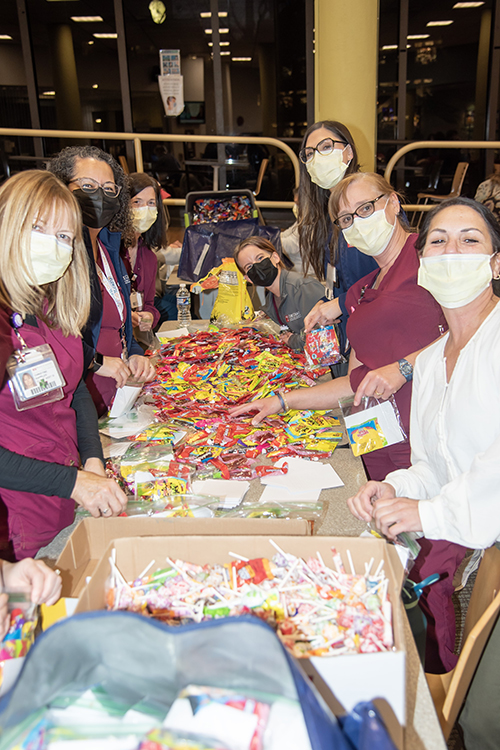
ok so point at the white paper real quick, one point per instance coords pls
(282, 495)
(304, 476)
(229, 725)
(386, 417)
(125, 398)
(175, 334)
(231, 490)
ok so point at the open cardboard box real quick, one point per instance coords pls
(90, 539)
(343, 680)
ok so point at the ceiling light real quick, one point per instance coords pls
(87, 19)
(390, 46)
(5, 36)
(113, 35)
(207, 14)
(468, 4)
(225, 53)
(412, 36)
(241, 59)
(49, 93)
(95, 85)
(221, 31)
(91, 42)
(439, 23)
(98, 119)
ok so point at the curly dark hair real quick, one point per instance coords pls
(156, 236)
(63, 166)
(314, 225)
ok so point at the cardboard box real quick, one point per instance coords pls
(90, 539)
(343, 679)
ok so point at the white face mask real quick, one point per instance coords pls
(326, 170)
(49, 257)
(455, 280)
(372, 235)
(144, 217)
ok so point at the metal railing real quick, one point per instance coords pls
(139, 138)
(470, 145)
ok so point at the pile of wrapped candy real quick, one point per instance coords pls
(199, 377)
(21, 633)
(212, 210)
(316, 610)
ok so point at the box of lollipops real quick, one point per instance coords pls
(333, 601)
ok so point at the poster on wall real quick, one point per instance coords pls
(170, 62)
(172, 94)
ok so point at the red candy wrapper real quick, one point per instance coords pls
(322, 348)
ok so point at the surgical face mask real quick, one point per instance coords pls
(326, 170)
(144, 217)
(454, 280)
(49, 257)
(372, 235)
(98, 209)
(263, 273)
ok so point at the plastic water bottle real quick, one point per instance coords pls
(183, 305)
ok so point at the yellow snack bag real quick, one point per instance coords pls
(233, 302)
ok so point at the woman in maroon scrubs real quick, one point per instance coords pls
(48, 432)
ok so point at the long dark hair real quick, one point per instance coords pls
(156, 236)
(314, 225)
(63, 166)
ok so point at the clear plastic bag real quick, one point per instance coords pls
(372, 425)
(322, 347)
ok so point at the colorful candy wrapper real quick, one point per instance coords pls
(372, 425)
(322, 347)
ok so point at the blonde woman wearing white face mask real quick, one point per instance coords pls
(451, 489)
(150, 226)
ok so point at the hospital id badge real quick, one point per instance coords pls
(34, 377)
(136, 301)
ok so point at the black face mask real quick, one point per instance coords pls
(98, 209)
(262, 273)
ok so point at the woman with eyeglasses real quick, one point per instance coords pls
(150, 234)
(328, 155)
(49, 424)
(391, 319)
(99, 185)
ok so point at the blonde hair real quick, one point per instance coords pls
(64, 303)
(383, 187)
(259, 242)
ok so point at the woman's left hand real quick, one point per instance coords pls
(381, 383)
(392, 516)
(141, 368)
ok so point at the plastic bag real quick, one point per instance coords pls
(233, 302)
(372, 425)
(322, 347)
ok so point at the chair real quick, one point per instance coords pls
(456, 188)
(124, 164)
(449, 690)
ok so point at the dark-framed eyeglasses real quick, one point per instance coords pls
(364, 211)
(89, 185)
(324, 147)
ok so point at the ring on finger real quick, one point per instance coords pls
(104, 512)
(378, 393)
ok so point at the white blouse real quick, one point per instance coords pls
(455, 441)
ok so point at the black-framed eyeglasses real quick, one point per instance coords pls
(364, 211)
(89, 185)
(324, 147)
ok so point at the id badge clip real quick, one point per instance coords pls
(34, 377)
(136, 301)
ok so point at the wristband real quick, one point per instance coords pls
(97, 362)
(406, 369)
(282, 402)
(282, 398)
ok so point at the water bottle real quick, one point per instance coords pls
(183, 305)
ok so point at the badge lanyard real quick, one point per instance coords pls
(110, 285)
(34, 375)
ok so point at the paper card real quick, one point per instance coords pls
(386, 417)
(224, 723)
(282, 495)
(127, 425)
(231, 490)
(304, 476)
(124, 400)
(175, 334)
